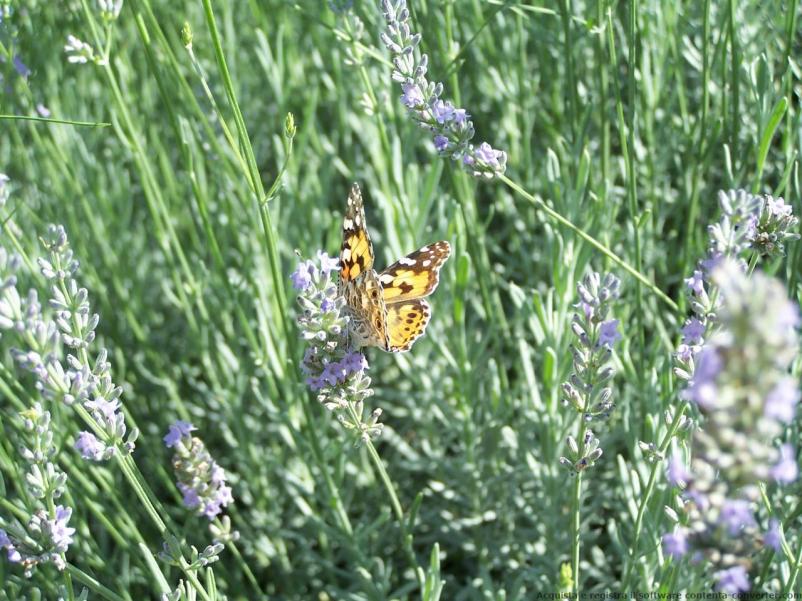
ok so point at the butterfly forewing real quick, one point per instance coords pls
(356, 255)
(416, 275)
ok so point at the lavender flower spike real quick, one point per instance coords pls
(333, 370)
(450, 126)
(201, 480)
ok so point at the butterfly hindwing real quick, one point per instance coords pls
(356, 256)
(406, 322)
(415, 275)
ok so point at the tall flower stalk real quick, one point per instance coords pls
(750, 226)
(587, 392)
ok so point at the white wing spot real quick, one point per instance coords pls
(348, 224)
(426, 263)
(346, 254)
(386, 278)
(424, 249)
(358, 221)
(407, 261)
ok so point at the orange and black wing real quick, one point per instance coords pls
(356, 255)
(416, 275)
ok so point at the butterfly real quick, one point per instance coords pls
(386, 309)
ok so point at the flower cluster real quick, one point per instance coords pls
(746, 397)
(79, 52)
(333, 370)
(200, 479)
(85, 381)
(45, 537)
(774, 226)
(451, 127)
(748, 223)
(588, 391)
(109, 9)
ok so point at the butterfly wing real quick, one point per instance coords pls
(406, 322)
(415, 275)
(356, 255)
(359, 283)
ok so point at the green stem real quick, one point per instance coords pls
(91, 583)
(53, 120)
(592, 241)
(575, 531)
(399, 513)
(647, 494)
(253, 175)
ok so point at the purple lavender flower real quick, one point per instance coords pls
(587, 389)
(422, 98)
(42, 110)
(702, 389)
(782, 400)
(333, 370)
(61, 534)
(443, 112)
(12, 554)
(354, 361)
(736, 515)
(696, 283)
(90, 447)
(106, 408)
(693, 331)
(302, 276)
(201, 480)
(461, 116)
(785, 470)
(608, 333)
(676, 471)
(488, 155)
(327, 263)
(20, 67)
(686, 352)
(675, 544)
(327, 305)
(178, 430)
(778, 207)
(732, 581)
(773, 537)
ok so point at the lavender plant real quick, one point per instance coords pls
(746, 397)
(332, 369)
(733, 238)
(201, 480)
(46, 536)
(587, 390)
(451, 127)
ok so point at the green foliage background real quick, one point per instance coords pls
(630, 142)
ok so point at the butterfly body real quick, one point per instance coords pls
(386, 309)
